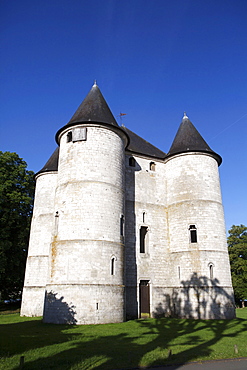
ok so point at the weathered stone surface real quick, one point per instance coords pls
(84, 267)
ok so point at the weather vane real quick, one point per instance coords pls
(121, 117)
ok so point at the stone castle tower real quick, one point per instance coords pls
(123, 230)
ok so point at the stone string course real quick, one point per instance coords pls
(75, 235)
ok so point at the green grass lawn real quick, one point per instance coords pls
(118, 346)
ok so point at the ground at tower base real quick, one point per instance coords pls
(133, 344)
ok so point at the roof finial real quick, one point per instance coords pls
(95, 83)
(185, 116)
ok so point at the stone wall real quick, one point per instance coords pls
(42, 227)
(182, 192)
(87, 251)
(86, 259)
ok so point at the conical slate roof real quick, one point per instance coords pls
(94, 108)
(188, 139)
(52, 163)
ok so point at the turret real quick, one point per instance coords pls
(200, 273)
(175, 245)
(40, 239)
(85, 283)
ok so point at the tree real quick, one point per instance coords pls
(237, 247)
(16, 203)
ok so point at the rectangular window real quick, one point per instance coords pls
(193, 234)
(113, 266)
(143, 236)
(69, 136)
(132, 162)
(122, 225)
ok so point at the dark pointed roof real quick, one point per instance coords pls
(140, 146)
(52, 163)
(94, 108)
(188, 139)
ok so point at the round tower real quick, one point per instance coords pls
(86, 283)
(200, 272)
(36, 274)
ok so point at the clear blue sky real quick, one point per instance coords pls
(152, 59)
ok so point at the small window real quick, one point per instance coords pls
(132, 162)
(152, 166)
(143, 217)
(113, 259)
(193, 234)
(69, 136)
(56, 222)
(143, 237)
(179, 272)
(122, 225)
(211, 270)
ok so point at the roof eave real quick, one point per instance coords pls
(88, 123)
(216, 156)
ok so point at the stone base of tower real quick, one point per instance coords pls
(84, 304)
(32, 301)
(204, 302)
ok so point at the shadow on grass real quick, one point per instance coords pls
(152, 338)
(132, 344)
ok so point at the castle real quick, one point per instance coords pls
(122, 230)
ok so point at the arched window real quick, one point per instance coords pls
(193, 234)
(122, 225)
(211, 270)
(143, 239)
(152, 166)
(113, 265)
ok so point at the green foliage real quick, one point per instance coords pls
(237, 247)
(132, 344)
(16, 203)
